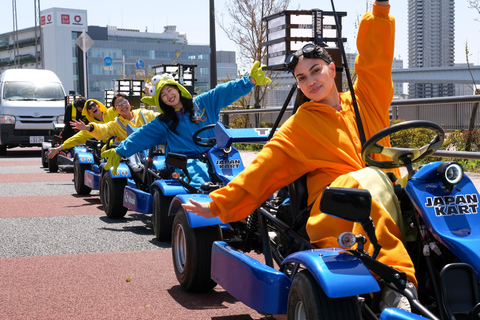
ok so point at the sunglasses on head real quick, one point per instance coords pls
(91, 105)
(122, 103)
(308, 51)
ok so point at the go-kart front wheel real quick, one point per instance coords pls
(161, 221)
(79, 176)
(192, 253)
(44, 158)
(111, 195)
(306, 300)
(53, 164)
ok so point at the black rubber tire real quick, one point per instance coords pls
(79, 177)
(192, 253)
(53, 164)
(111, 195)
(161, 221)
(3, 150)
(306, 300)
(44, 158)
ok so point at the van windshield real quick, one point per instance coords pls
(26, 90)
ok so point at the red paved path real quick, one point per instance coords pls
(94, 286)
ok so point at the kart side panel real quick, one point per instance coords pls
(399, 314)
(452, 218)
(333, 269)
(255, 284)
(92, 180)
(137, 200)
(84, 157)
(194, 220)
(169, 187)
(123, 171)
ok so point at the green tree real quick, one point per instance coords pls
(248, 32)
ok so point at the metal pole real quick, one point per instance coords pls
(123, 75)
(85, 88)
(213, 47)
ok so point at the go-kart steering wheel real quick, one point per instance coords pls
(204, 142)
(402, 156)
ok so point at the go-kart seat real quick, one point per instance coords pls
(298, 193)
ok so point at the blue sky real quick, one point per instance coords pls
(191, 17)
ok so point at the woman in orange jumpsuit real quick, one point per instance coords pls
(322, 141)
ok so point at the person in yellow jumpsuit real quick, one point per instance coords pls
(95, 112)
(118, 127)
(322, 141)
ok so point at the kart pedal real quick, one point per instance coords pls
(459, 290)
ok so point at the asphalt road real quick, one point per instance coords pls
(62, 258)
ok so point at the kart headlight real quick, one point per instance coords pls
(60, 119)
(7, 119)
(450, 172)
(347, 239)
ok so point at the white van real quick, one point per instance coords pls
(32, 103)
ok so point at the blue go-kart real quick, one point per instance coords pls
(92, 176)
(439, 206)
(169, 178)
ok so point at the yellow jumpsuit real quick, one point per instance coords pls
(113, 128)
(325, 143)
(82, 136)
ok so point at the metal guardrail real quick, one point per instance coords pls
(451, 113)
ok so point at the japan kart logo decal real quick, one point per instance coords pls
(130, 198)
(228, 164)
(453, 205)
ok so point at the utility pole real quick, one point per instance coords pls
(213, 47)
(37, 34)
(16, 54)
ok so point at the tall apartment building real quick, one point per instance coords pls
(431, 39)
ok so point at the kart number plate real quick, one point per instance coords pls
(36, 139)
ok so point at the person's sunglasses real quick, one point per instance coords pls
(308, 51)
(91, 105)
(122, 103)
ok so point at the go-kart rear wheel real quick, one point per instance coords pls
(161, 221)
(44, 158)
(79, 176)
(111, 195)
(53, 164)
(192, 252)
(306, 300)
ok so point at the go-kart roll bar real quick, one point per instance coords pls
(349, 78)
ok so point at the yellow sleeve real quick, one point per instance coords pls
(104, 131)
(79, 138)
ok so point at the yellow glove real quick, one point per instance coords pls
(113, 160)
(259, 75)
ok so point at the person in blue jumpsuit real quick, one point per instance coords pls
(181, 116)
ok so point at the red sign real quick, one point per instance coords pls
(77, 19)
(42, 20)
(49, 18)
(65, 19)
